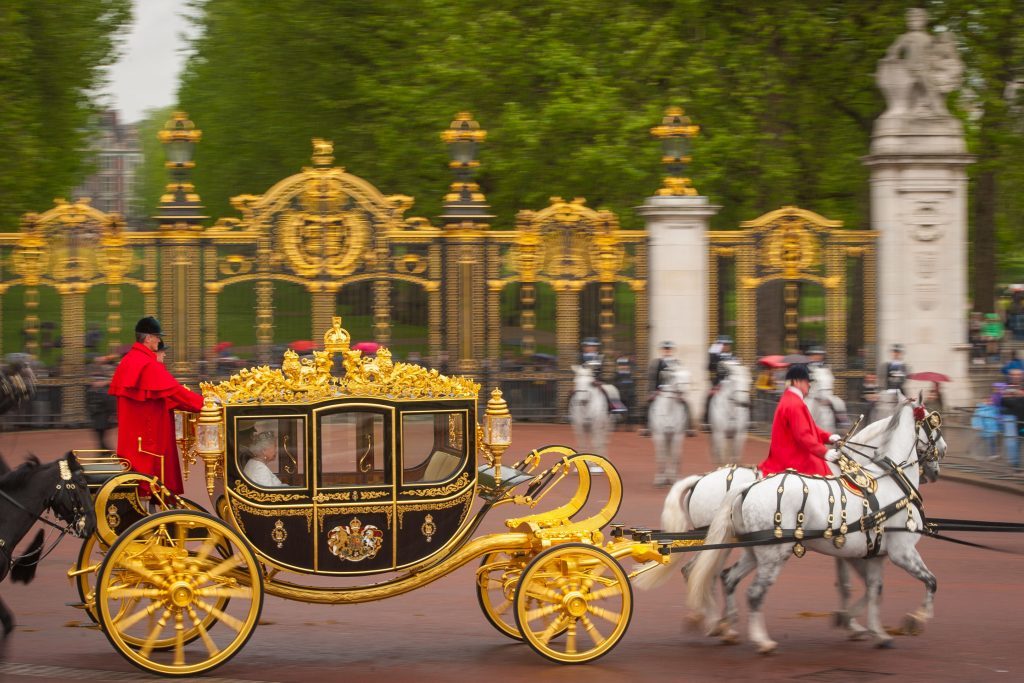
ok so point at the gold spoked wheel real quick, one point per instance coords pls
(90, 556)
(577, 589)
(166, 581)
(496, 582)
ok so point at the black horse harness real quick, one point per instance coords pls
(7, 552)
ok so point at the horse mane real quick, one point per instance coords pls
(19, 477)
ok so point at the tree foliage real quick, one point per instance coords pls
(568, 90)
(51, 66)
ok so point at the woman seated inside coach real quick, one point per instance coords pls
(262, 452)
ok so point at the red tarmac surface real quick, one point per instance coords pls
(437, 633)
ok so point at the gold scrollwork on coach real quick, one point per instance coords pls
(434, 507)
(324, 512)
(238, 506)
(437, 491)
(333, 497)
(252, 494)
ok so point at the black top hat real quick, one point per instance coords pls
(797, 372)
(148, 325)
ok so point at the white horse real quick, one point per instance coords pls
(590, 411)
(729, 414)
(827, 409)
(752, 510)
(667, 419)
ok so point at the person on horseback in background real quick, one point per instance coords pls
(718, 353)
(817, 356)
(660, 374)
(591, 358)
(896, 370)
(797, 443)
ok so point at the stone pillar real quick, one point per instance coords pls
(678, 281)
(919, 208)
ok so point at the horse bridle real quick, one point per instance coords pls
(66, 483)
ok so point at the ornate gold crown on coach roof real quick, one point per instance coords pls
(309, 379)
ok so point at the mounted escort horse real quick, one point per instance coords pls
(729, 414)
(872, 512)
(593, 406)
(27, 492)
(667, 419)
(827, 409)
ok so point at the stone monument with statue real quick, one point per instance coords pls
(918, 181)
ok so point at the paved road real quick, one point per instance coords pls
(438, 633)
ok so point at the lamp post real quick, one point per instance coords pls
(179, 205)
(497, 432)
(464, 204)
(675, 133)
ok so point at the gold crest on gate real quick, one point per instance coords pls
(355, 542)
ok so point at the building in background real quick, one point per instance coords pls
(117, 160)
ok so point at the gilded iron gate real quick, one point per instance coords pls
(790, 279)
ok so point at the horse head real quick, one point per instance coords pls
(71, 501)
(583, 378)
(739, 382)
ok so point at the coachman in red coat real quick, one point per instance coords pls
(146, 396)
(798, 443)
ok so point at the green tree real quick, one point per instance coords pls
(50, 67)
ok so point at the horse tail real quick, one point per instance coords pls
(706, 568)
(674, 517)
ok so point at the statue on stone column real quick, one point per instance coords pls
(918, 71)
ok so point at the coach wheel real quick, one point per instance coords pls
(166, 581)
(577, 589)
(90, 557)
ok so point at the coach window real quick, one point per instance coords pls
(353, 449)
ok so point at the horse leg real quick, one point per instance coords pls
(770, 560)
(659, 438)
(873, 578)
(717, 447)
(6, 619)
(731, 578)
(910, 561)
(844, 617)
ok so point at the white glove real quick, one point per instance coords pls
(831, 455)
(834, 438)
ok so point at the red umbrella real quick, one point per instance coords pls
(222, 346)
(304, 346)
(366, 347)
(772, 361)
(929, 377)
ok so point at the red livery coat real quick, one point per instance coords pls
(146, 394)
(797, 442)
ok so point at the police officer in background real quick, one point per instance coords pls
(718, 353)
(896, 370)
(817, 356)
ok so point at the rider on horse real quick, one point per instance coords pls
(797, 443)
(718, 353)
(660, 376)
(591, 358)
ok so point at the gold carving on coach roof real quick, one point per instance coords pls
(311, 379)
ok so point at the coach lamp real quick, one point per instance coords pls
(210, 440)
(185, 438)
(497, 434)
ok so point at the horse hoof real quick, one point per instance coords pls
(858, 635)
(730, 637)
(913, 625)
(767, 648)
(885, 644)
(841, 620)
(694, 622)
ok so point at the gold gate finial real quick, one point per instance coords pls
(323, 152)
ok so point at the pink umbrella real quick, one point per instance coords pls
(304, 346)
(366, 347)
